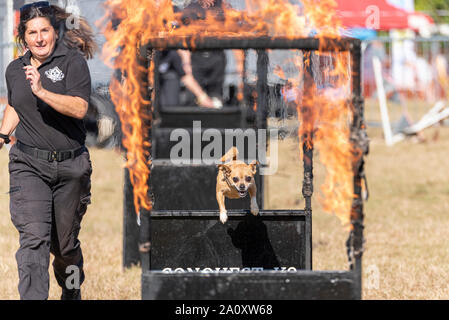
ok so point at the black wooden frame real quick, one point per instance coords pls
(358, 139)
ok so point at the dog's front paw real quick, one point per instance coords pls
(223, 216)
(254, 207)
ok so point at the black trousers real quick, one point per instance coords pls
(208, 69)
(170, 88)
(47, 202)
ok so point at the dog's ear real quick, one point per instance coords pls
(253, 166)
(225, 168)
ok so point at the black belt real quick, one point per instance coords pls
(50, 155)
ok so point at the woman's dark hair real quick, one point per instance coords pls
(81, 37)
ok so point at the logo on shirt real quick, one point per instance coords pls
(55, 74)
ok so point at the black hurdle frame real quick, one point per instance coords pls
(358, 136)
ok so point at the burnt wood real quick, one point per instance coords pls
(213, 43)
(131, 230)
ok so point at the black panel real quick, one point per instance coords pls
(192, 187)
(183, 117)
(175, 188)
(163, 146)
(188, 240)
(301, 285)
(130, 228)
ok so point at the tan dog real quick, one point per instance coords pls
(234, 180)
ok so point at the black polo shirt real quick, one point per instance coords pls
(64, 72)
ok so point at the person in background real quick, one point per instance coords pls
(171, 72)
(207, 67)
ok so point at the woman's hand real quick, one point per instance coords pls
(71, 106)
(33, 75)
(205, 101)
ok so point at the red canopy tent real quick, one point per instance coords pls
(378, 15)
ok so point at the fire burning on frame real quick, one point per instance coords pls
(324, 112)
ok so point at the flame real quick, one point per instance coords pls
(323, 113)
(326, 114)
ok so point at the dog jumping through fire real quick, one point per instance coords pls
(235, 180)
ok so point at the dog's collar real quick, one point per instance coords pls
(229, 182)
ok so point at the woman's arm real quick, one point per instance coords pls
(191, 83)
(186, 60)
(203, 99)
(75, 107)
(9, 123)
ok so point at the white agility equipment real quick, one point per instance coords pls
(436, 114)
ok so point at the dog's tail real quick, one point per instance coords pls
(230, 155)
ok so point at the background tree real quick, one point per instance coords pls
(438, 9)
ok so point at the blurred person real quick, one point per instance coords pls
(441, 66)
(50, 168)
(207, 66)
(172, 73)
(423, 78)
(403, 61)
(373, 49)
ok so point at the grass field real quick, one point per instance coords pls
(406, 223)
(100, 236)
